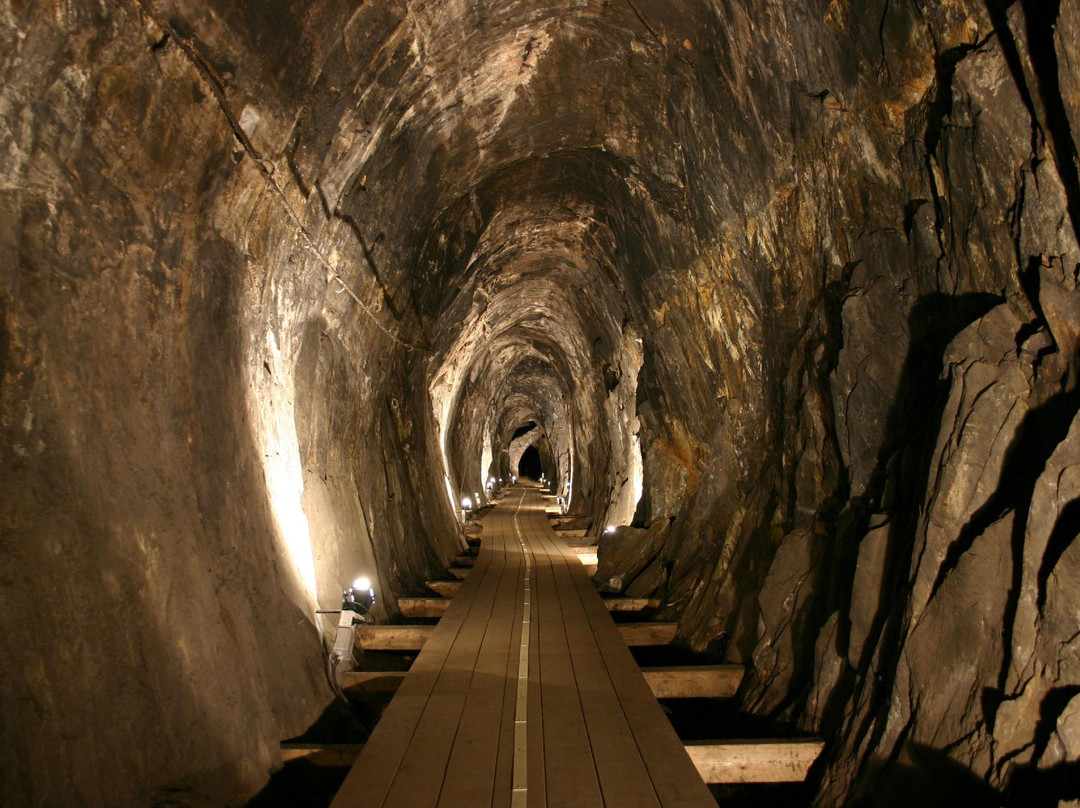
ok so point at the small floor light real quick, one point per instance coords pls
(356, 603)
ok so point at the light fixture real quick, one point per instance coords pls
(609, 529)
(356, 603)
(360, 597)
(466, 503)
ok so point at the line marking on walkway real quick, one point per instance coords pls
(520, 786)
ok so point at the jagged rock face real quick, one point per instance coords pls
(790, 286)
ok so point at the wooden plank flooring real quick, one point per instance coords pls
(594, 734)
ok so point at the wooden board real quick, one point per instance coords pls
(461, 573)
(371, 778)
(445, 588)
(718, 762)
(571, 778)
(423, 768)
(392, 638)
(625, 604)
(695, 681)
(423, 607)
(332, 754)
(723, 762)
(673, 774)
(617, 768)
(780, 761)
(571, 534)
(638, 634)
(473, 759)
(371, 681)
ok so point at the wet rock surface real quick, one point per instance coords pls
(785, 291)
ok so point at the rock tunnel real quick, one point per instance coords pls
(784, 292)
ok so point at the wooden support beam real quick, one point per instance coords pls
(638, 634)
(322, 754)
(423, 607)
(412, 638)
(392, 638)
(371, 681)
(465, 560)
(445, 588)
(694, 681)
(717, 761)
(623, 604)
(588, 558)
(461, 573)
(778, 761)
(571, 534)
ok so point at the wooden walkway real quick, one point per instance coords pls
(525, 694)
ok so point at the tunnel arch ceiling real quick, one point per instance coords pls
(637, 201)
(612, 183)
(468, 184)
(539, 368)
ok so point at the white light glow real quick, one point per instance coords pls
(363, 582)
(449, 491)
(466, 503)
(486, 457)
(637, 475)
(609, 529)
(274, 427)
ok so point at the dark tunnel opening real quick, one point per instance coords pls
(524, 429)
(530, 465)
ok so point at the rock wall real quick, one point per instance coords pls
(907, 612)
(189, 430)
